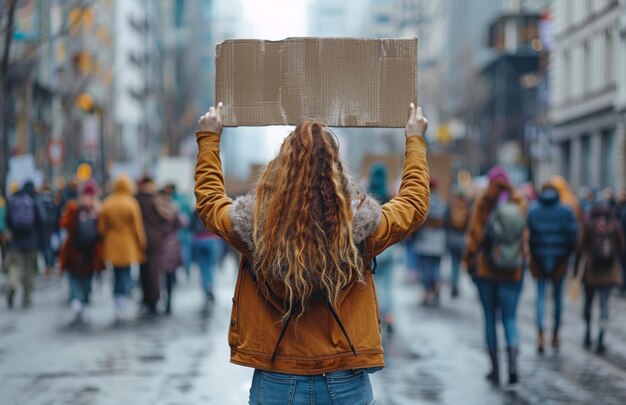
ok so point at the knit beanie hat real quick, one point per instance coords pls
(497, 173)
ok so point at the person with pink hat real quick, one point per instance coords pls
(495, 256)
(81, 255)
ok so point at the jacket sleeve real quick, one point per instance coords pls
(140, 231)
(408, 210)
(212, 204)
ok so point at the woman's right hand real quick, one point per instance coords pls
(417, 124)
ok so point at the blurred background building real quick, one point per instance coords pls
(535, 85)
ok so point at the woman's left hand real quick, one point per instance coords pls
(212, 120)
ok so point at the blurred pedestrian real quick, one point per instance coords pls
(185, 211)
(3, 231)
(49, 228)
(553, 235)
(456, 222)
(430, 246)
(25, 219)
(568, 198)
(495, 257)
(383, 277)
(622, 217)
(206, 251)
(153, 222)
(304, 313)
(586, 202)
(124, 239)
(169, 249)
(82, 252)
(598, 258)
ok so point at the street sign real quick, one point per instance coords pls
(56, 151)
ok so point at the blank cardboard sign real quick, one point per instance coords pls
(346, 82)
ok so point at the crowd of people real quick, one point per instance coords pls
(502, 232)
(79, 232)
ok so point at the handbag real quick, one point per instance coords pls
(574, 283)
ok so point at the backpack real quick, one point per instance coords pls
(602, 247)
(22, 213)
(86, 231)
(504, 237)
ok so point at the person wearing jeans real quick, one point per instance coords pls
(304, 311)
(553, 230)
(498, 289)
(81, 254)
(205, 251)
(124, 240)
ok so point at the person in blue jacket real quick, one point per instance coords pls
(553, 234)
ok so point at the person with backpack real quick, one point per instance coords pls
(48, 252)
(124, 240)
(304, 311)
(81, 254)
(456, 222)
(430, 246)
(495, 256)
(383, 277)
(25, 220)
(598, 258)
(553, 232)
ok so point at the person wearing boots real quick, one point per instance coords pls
(81, 255)
(598, 258)
(495, 256)
(553, 234)
(121, 227)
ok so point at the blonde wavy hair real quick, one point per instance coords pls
(303, 220)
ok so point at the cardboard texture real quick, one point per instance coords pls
(345, 82)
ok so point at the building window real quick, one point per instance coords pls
(586, 78)
(608, 66)
(567, 76)
(566, 159)
(586, 160)
(608, 158)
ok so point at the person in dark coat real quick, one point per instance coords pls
(553, 232)
(25, 220)
(171, 246)
(598, 258)
(160, 219)
(49, 228)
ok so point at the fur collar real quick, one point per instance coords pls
(364, 221)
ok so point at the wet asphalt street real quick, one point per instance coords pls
(435, 356)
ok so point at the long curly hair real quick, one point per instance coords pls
(303, 220)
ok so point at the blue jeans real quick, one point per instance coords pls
(337, 388)
(455, 263)
(557, 288)
(429, 267)
(206, 253)
(184, 237)
(80, 288)
(605, 294)
(122, 281)
(503, 296)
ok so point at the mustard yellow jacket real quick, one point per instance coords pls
(314, 344)
(121, 226)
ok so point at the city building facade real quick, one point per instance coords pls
(588, 66)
